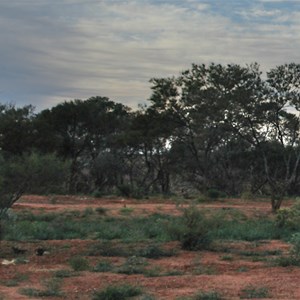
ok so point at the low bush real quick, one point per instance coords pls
(103, 266)
(133, 265)
(251, 292)
(79, 263)
(52, 289)
(192, 229)
(118, 292)
(155, 252)
(210, 295)
(289, 217)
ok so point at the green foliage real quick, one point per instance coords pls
(155, 252)
(289, 217)
(117, 292)
(133, 265)
(192, 229)
(215, 194)
(210, 295)
(79, 263)
(103, 266)
(63, 273)
(126, 210)
(293, 259)
(251, 292)
(101, 210)
(52, 289)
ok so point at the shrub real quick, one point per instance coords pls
(63, 274)
(155, 252)
(79, 263)
(103, 266)
(52, 289)
(117, 292)
(210, 295)
(192, 230)
(293, 259)
(215, 194)
(101, 210)
(289, 217)
(133, 265)
(251, 292)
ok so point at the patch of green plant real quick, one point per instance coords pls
(173, 273)
(52, 289)
(101, 210)
(192, 229)
(251, 292)
(215, 194)
(249, 230)
(63, 273)
(133, 265)
(126, 210)
(155, 252)
(15, 280)
(21, 261)
(242, 269)
(87, 212)
(153, 272)
(79, 263)
(103, 266)
(107, 248)
(200, 269)
(289, 217)
(210, 295)
(67, 226)
(227, 257)
(293, 258)
(118, 292)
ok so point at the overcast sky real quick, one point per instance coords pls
(56, 50)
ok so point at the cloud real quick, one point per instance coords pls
(66, 49)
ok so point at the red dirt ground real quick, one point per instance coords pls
(218, 271)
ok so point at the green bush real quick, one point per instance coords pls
(192, 230)
(133, 265)
(210, 295)
(117, 292)
(103, 266)
(155, 252)
(251, 292)
(215, 194)
(52, 289)
(293, 259)
(79, 263)
(289, 217)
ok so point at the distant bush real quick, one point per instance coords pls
(210, 295)
(215, 194)
(118, 292)
(251, 292)
(79, 263)
(155, 252)
(103, 266)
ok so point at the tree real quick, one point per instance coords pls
(80, 131)
(16, 129)
(268, 120)
(198, 102)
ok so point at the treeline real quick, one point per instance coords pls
(225, 128)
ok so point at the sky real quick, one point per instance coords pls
(58, 50)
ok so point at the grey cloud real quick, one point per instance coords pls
(58, 50)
